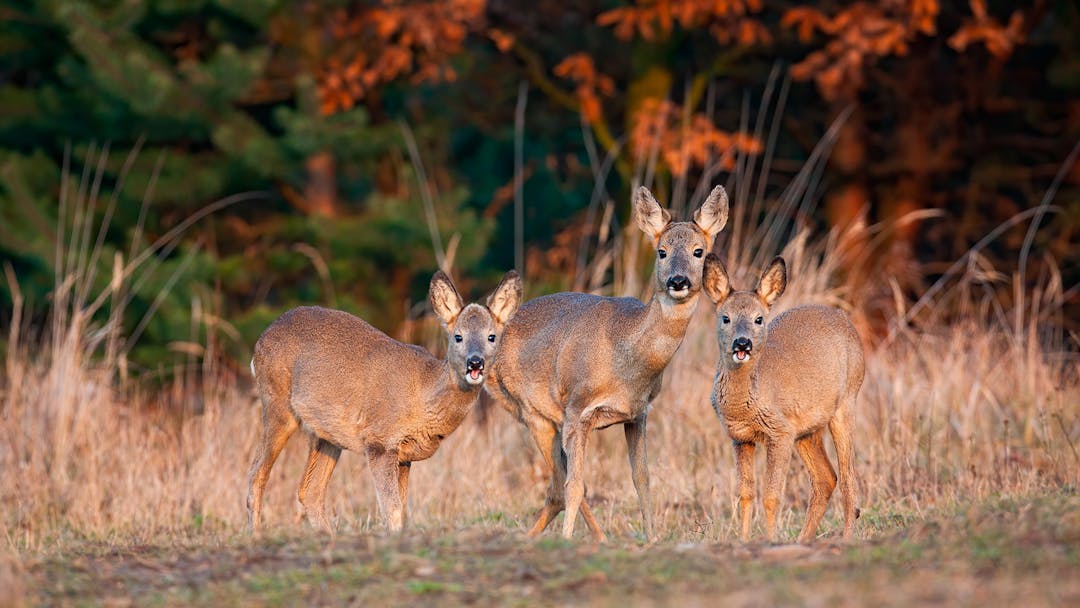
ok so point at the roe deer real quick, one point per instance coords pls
(782, 384)
(350, 386)
(570, 363)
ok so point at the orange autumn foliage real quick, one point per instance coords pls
(863, 32)
(375, 45)
(503, 40)
(999, 40)
(591, 84)
(860, 34)
(682, 144)
(729, 21)
(658, 126)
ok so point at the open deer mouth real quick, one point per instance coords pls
(474, 370)
(740, 356)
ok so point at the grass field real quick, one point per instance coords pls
(967, 433)
(966, 456)
(995, 551)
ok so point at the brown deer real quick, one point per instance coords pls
(350, 386)
(782, 384)
(571, 363)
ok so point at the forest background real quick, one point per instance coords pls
(367, 143)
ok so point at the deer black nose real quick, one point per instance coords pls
(742, 344)
(475, 362)
(678, 283)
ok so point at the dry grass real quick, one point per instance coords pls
(991, 553)
(970, 406)
(968, 410)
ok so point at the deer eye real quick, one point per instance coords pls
(699, 252)
(660, 253)
(458, 338)
(491, 338)
(725, 319)
(759, 320)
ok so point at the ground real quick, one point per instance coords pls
(999, 551)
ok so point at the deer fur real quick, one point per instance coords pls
(350, 386)
(782, 384)
(571, 363)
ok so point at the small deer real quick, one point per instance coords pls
(571, 363)
(782, 384)
(350, 386)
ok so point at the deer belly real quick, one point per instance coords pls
(810, 420)
(333, 431)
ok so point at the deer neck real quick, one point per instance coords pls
(734, 389)
(659, 329)
(449, 398)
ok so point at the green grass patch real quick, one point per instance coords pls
(1022, 548)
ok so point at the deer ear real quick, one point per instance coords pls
(444, 298)
(650, 216)
(715, 280)
(712, 216)
(505, 299)
(773, 281)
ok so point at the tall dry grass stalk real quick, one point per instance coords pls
(969, 405)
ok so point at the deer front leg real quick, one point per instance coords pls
(403, 487)
(301, 491)
(311, 495)
(777, 459)
(639, 470)
(384, 476)
(744, 465)
(575, 435)
(590, 521)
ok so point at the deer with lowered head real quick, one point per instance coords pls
(350, 386)
(782, 384)
(571, 363)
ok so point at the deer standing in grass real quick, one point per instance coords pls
(350, 386)
(571, 363)
(782, 384)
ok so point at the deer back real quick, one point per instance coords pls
(342, 378)
(813, 358)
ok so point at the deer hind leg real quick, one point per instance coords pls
(744, 465)
(278, 425)
(777, 459)
(311, 495)
(549, 443)
(822, 481)
(639, 470)
(841, 428)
